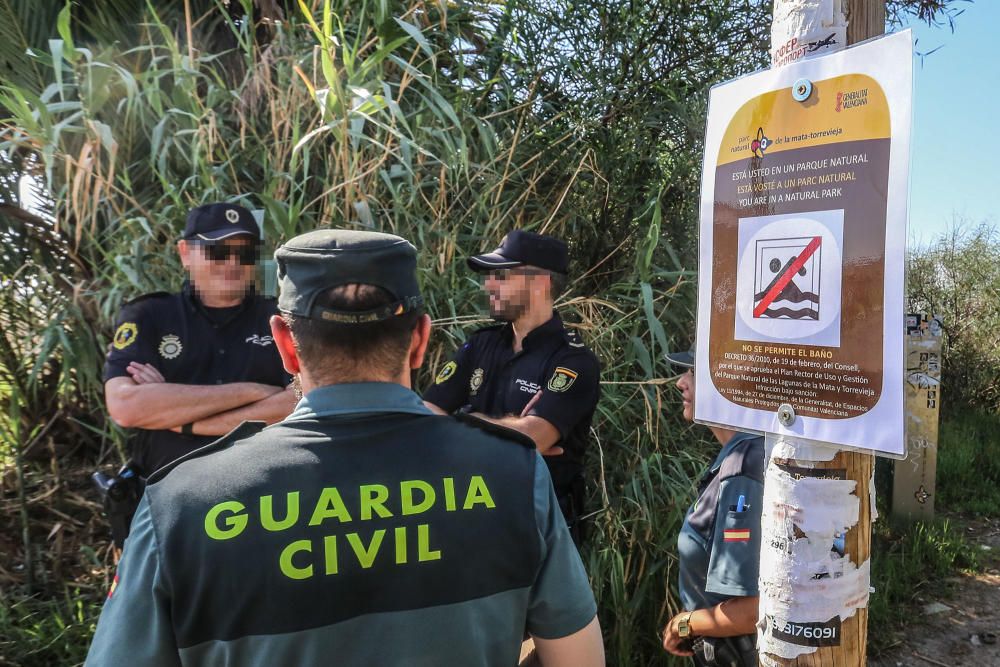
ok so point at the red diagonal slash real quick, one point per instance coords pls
(787, 276)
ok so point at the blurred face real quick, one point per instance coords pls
(512, 291)
(221, 271)
(686, 384)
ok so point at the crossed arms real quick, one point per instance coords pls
(145, 400)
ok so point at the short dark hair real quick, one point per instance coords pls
(353, 352)
(557, 284)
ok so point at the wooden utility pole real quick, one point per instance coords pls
(865, 19)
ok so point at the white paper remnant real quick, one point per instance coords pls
(808, 586)
(806, 28)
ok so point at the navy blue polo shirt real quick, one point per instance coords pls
(719, 542)
(191, 344)
(488, 377)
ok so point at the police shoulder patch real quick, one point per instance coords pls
(562, 379)
(445, 373)
(125, 335)
(244, 430)
(495, 429)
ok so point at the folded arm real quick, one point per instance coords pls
(157, 405)
(272, 409)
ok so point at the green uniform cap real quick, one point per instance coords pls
(311, 264)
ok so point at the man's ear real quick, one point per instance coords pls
(286, 344)
(184, 249)
(418, 343)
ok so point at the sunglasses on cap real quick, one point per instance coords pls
(246, 255)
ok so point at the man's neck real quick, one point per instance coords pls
(307, 382)
(531, 320)
(723, 435)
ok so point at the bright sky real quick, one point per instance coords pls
(956, 133)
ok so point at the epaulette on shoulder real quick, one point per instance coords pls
(244, 430)
(144, 297)
(746, 459)
(490, 327)
(573, 339)
(496, 429)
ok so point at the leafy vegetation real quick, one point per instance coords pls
(958, 277)
(447, 123)
(968, 467)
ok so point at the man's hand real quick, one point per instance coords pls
(144, 373)
(672, 641)
(531, 403)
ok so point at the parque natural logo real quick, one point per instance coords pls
(760, 144)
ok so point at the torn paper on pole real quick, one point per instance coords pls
(806, 28)
(808, 586)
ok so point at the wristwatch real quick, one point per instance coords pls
(684, 626)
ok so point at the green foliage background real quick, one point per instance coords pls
(958, 278)
(447, 123)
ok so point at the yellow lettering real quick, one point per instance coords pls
(366, 555)
(330, 548)
(449, 494)
(424, 552)
(291, 514)
(400, 545)
(285, 560)
(406, 490)
(478, 493)
(330, 504)
(234, 524)
(373, 497)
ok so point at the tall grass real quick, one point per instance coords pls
(968, 468)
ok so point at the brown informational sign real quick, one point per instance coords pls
(913, 482)
(802, 249)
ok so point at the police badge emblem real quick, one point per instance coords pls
(170, 347)
(446, 372)
(476, 381)
(562, 379)
(125, 335)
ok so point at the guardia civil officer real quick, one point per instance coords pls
(719, 548)
(187, 367)
(361, 530)
(528, 373)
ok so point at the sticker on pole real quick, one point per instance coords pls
(802, 249)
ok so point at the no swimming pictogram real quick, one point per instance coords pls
(787, 279)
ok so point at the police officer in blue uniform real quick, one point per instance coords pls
(361, 530)
(187, 367)
(528, 373)
(719, 549)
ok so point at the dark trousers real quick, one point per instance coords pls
(726, 651)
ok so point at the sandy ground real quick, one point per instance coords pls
(963, 630)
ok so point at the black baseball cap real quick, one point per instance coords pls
(682, 359)
(214, 222)
(520, 248)
(311, 264)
